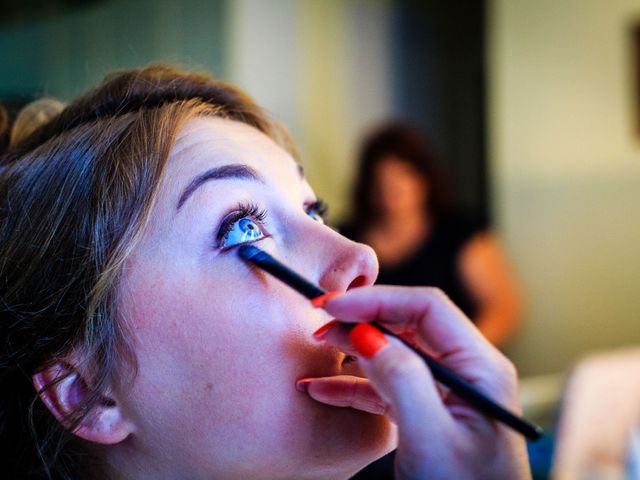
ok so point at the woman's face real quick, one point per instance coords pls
(220, 345)
(399, 188)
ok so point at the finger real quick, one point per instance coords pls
(345, 391)
(402, 380)
(425, 309)
(336, 334)
(441, 329)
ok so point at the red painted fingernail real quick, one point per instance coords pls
(319, 333)
(319, 302)
(367, 339)
(302, 384)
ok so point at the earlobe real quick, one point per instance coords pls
(62, 389)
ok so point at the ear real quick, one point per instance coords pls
(104, 423)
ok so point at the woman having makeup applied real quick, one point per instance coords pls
(135, 343)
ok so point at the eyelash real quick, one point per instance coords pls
(243, 210)
(320, 207)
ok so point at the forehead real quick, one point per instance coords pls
(207, 142)
(392, 164)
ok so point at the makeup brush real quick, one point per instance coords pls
(442, 374)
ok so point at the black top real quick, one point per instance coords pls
(435, 263)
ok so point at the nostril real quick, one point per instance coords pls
(359, 281)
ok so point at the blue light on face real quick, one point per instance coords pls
(244, 230)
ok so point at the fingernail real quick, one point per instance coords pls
(319, 302)
(367, 339)
(319, 333)
(302, 384)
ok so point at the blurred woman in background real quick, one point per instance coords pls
(403, 210)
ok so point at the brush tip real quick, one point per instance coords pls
(247, 252)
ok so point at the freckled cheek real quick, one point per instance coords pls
(217, 366)
(153, 316)
(213, 332)
(224, 326)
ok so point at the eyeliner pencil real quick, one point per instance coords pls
(442, 374)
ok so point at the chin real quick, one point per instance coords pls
(351, 440)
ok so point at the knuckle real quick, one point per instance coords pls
(401, 366)
(352, 391)
(378, 407)
(436, 293)
(505, 373)
(438, 297)
(508, 368)
(385, 409)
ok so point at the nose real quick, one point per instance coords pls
(342, 263)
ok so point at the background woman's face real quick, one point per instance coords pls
(219, 345)
(399, 188)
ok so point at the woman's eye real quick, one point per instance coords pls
(316, 216)
(244, 230)
(318, 211)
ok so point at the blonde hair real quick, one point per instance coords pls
(32, 116)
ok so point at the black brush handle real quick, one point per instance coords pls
(442, 374)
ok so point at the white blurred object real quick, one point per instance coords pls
(540, 396)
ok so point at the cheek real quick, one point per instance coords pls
(218, 356)
(418, 186)
(206, 347)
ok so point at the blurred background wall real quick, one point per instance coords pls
(332, 69)
(565, 168)
(529, 105)
(61, 47)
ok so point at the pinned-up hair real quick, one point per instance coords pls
(75, 196)
(32, 116)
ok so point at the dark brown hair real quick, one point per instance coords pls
(407, 143)
(75, 197)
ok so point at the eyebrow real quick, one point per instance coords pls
(235, 170)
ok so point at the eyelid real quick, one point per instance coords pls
(253, 211)
(241, 211)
